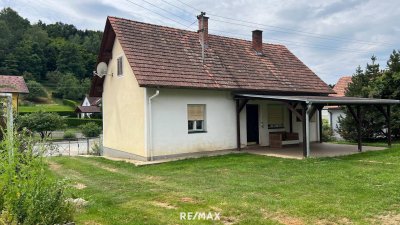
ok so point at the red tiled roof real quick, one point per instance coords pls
(168, 57)
(88, 109)
(341, 86)
(12, 84)
(94, 100)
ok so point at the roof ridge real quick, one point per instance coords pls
(189, 31)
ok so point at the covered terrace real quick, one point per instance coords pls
(310, 104)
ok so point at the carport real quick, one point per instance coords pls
(310, 104)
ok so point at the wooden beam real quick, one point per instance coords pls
(320, 123)
(241, 106)
(380, 108)
(389, 126)
(293, 110)
(353, 113)
(238, 124)
(304, 109)
(290, 122)
(359, 128)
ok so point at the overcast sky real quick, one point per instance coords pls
(332, 37)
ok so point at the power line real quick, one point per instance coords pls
(184, 25)
(282, 29)
(167, 11)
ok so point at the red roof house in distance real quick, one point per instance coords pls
(15, 85)
(169, 92)
(333, 112)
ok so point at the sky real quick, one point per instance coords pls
(332, 37)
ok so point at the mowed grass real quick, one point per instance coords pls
(245, 189)
(45, 108)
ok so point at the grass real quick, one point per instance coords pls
(46, 108)
(244, 188)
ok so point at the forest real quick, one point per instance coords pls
(57, 57)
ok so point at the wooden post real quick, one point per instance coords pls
(320, 122)
(290, 122)
(389, 127)
(359, 128)
(304, 111)
(238, 124)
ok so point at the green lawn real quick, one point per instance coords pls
(245, 189)
(46, 108)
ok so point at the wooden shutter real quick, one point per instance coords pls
(275, 114)
(196, 112)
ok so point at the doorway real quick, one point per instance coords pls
(252, 124)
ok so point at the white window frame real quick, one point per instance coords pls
(122, 66)
(195, 130)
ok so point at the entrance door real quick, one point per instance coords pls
(252, 124)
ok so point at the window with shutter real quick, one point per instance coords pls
(275, 117)
(196, 118)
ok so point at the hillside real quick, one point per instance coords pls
(58, 56)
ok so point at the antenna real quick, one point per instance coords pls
(101, 69)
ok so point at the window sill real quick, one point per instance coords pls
(197, 131)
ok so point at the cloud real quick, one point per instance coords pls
(332, 37)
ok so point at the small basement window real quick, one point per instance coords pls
(119, 66)
(196, 118)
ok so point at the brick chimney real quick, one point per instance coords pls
(203, 29)
(257, 41)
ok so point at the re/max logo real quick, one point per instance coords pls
(199, 216)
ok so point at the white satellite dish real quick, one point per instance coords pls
(101, 70)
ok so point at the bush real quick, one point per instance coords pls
(90, 129)
(42, 122)
(36, 90)
(69, 134)
(76, 122)
(28, 195)
(327, 132)
(70, 103)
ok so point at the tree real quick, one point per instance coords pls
(70, 60)
(41, 122)
(36, 90)
(90, 129)
(374, 83)
(70, 87)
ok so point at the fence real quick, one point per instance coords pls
(72, 147)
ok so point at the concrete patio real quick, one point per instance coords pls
(316, 150)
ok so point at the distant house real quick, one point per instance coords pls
(332, 113)
(89, 106)
(15, 85)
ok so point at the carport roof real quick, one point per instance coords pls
(324, 100)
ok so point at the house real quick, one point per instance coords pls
(333, 112)
(14, 85)
(89, 106)
(10, 87)
(171, 92)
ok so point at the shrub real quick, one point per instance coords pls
(36, 90)
(28, 195)
(70, 103)
(76, 122)
(69, 134)
(42, 122)
(90, 129)
(327, 132)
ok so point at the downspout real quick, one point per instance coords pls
(309, 106)
(150, 148)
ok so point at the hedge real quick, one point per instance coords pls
(61, 113)
(70, 103)
(76, 122)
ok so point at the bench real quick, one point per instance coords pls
(278, 139)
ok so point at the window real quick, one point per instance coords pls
(275, 117)
(196, 118)
(119, 66)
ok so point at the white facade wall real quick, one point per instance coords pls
(334, 120)
(170, 124)
(169, 135)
